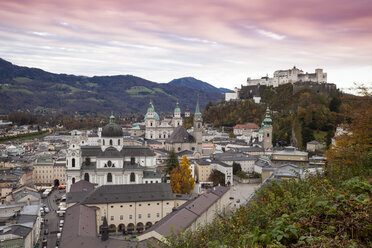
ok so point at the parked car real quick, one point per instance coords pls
(46, 232)
(45, 241)
(46, 210)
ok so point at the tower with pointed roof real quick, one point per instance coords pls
(177, 119)
(198, 127)
(267, 128)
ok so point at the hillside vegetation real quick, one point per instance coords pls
(37, 91)
(306, 114)
(332, 209)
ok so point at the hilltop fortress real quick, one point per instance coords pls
(254, 88)
(292, 76)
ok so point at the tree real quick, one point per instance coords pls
(181, 179)
(172, 161)
(217, 177)
(355, 144)
(236, 167)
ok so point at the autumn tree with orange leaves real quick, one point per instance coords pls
(181, 179)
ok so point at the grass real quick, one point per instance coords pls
(319, 135)
(25, 91)
(71, 88)
(95, 99)
(92, 84)
(139, 89)
(22, 79)
(161, 91)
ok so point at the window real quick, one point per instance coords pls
(132, 160)
(73, 163)
(121, 217)
(157, 215)
(121, 206)
(73, 179)
(157, 203)
(109, 178)
(86, 177)
(139, 216)
(148, 204)
(103, 142)
(87, 161)
(112, 206)
(118, 142)
(112, 218)
(109, 163)
(130, 206)
(130, 217)
(140, 204)
(268, 135)
(167, 203)
(148, 215)
(132, 177)
(110, 142)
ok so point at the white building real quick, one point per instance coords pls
(156, 129)
(103, 159)
(290, 76)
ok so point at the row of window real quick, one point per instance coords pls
(112, 218)
(57, 175)
(111, 142)
(148, 204)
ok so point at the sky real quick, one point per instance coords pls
(220, 42)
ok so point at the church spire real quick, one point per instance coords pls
(197, 109)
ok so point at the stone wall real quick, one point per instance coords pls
(323, 88)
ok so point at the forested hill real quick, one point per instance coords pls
(307, 114)
(35, 90)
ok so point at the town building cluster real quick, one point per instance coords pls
(115, 179)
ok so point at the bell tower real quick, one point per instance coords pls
(267, 131)
(198, 127)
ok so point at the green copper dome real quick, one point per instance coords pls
(151, 109)
(177, 109)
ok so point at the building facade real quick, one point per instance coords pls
(292, 76)
(156, 129)
(48, 171)
(103, 159)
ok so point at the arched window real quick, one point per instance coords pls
(109, 178)
(118, 142)
(73, 162)
(109, 163)
(110, 142)
(103, 142)
(86, 177)
(132, 177)
(73, 180)
(198, 125)
(268, 135)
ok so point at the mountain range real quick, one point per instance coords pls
(38, 91)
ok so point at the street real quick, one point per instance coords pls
(51, 219)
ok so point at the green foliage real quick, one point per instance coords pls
(217, 177)
(172, 161)
(236, 167)
(332, 209)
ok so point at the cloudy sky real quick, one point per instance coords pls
(220, 42)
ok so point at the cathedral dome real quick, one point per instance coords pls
(112, 129)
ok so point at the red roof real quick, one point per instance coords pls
(247, 126)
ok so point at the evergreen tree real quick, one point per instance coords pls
(172, 161)
(236, 167)
(217, 177)
(181, 179)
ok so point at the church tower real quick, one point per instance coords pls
(177, 120)
(267, 131)
(198, 126)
